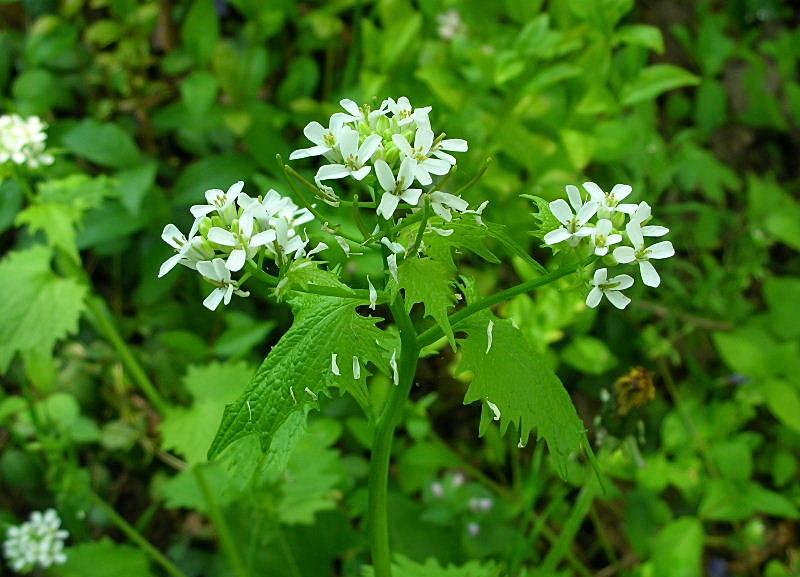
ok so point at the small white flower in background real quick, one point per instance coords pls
(610, 288)
(354, 157)
(449, 24)
(609, 202)
(642, 216)
(22, 141)
(218, 275)
(39, 542)
(602, 238)
(325, 139)
(443, 203)
(473, 529)
(642, 254)
(573, 223)
(480, 504)
(398, 189)
(437, 489)
(356, 113)
(188, 252)
(220, 201)
(406, 114)
(421, 152)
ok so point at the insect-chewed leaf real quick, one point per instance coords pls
(429, 282)
(300, 367)
(517, 388)
(38, 307)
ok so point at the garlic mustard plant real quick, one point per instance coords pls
(23, 141)
(385, 168)
(37, 543)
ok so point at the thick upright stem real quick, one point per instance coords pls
(382, 443)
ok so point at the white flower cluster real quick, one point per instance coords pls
(37, 542)
(396, 140)
(22, 141)
(233, 228)
(600, 220)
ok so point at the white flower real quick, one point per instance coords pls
(396, 190)
(609, 202)
(405, 114)
(39, 541)
(391, 263)
(610, 287)
(395, 247)
(188, 252)
(449, 144)
(642, 215)
(218, 275)
(356, 114)
(572, 228)
(449, 24)
(421, 152)
(602, 237)
(22, 141)
(224, 203)
(443, 202)
(354, 157)
(643, 254)
(241, 240)
(291, 244)
(325, 139)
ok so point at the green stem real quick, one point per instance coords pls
(330, 291)
(422, 226)
(382, 442)
(101, 318)
(226, 539)
(434, 333)
(134, 535)
(478, 175)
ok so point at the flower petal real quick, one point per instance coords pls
(423, 139)
(618, 299)
(574, 196)
(169, 264)
(621, 191)
(387, 205)
(561, 211)
(236, 260)
(402, 144)
(556, 236)
(385, 175)
(663, 249)
(654, 230)
(625, 254)
(454, 145)
(309, 152)
(595, 192)
(649, 274)
(368, 147)
(594, 297)
(222, 236)
(331, 171)
(212, 301)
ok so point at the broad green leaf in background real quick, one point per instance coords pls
(405, 567)
(200, 30)
(654, 81)
(189, 430)
(299, 367)
(429, 282)
(105, 559)
(38, 308)
(678, 549)
(106, 144)
(784, 401)
(512, 376)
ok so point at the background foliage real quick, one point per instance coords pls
(696, 104)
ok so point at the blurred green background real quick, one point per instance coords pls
(691, 396)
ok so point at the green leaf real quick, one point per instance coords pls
(199, 91)
(782, 295)
(654, 81)
(545, 220)
(133, 184)
(678, 549)
(106, 144)
(467, 234)
(641, 35)
(405, 567)
(784, 401)
(105, 559)
(323, 326)
(518, 382)
(200, 30)
(589, 355)
(429, 282)
(38, 308)
(189, 430)
(726, 500)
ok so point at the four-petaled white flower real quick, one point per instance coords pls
(242, 241)
(609, 202)
(573, 223)
(602, 238)
(421, 152)
(217, 274)
(356, 114)
(398, 189)
(188, 252)
(610, 287)
(354, 157)
(643, 254)
(37, 542)
(642, 215)
(223, 202)
(406, 114)
(22, 141)
(443, 203)
(325, 139)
